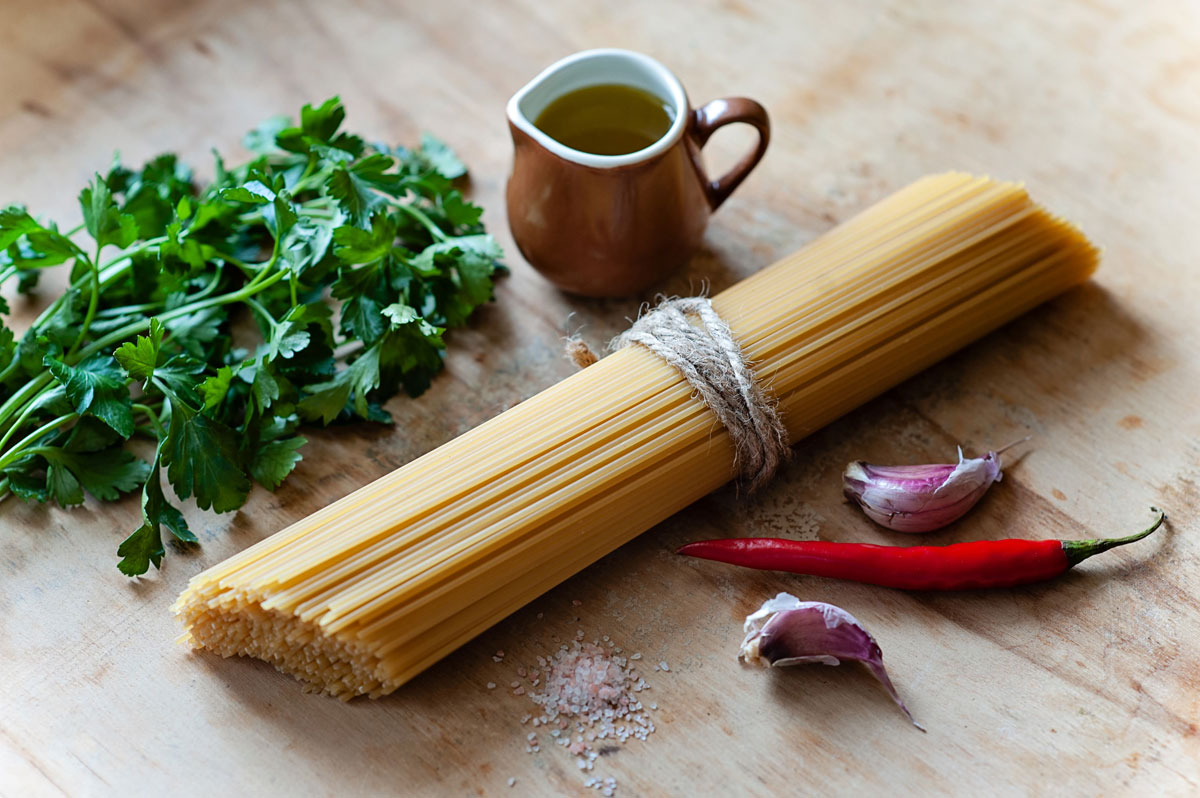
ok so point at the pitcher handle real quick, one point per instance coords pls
(716, 114)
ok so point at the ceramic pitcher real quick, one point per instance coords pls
(614, 225)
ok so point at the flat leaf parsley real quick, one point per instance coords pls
(350, 259)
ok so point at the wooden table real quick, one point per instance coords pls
(1087, 685)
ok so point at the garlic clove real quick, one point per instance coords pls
(920, 498)
(788, 631)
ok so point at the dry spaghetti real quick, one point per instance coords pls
(365, 593)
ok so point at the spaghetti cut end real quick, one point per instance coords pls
(331, 664)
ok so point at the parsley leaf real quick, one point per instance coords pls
(14, 223)
(441, 158)
(274, 460)
(290, 336)
(329, 399)
(145, 545)
(97, 386)
(215, 387)
(140, 356)
(355, 245)
(105, 474)
(200, 454)
(353, 194)
(63, 485)
(103, 219)
(8, 345)
(194, 331)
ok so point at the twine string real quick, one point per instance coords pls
(690, 336)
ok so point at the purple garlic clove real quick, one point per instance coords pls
(920, 498)
(788, 631)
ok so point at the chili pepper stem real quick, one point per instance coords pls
(1079, 550)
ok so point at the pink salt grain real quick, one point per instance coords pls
(587, 691)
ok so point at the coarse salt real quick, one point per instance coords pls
(587, 692)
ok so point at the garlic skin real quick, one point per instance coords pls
(788, 631)
(920, 498)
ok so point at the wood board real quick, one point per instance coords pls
(1090, 684)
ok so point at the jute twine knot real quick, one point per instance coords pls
(578, 352)
(705, 353)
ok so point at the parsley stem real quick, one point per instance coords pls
(133, 328)
(17, 451)
(5, 274)
(246, 268)
(20, 421)
(154, 419)
(266, 268)
(17, 424)
(261, 311)
(125, 310)
(26, 396)
(4, 492)
(308, 169)
(18, 399)
(105, 281)
(421, 217)
(6, 408)
(93, 301)
(321, 207)
(129, 253)
(311, 179)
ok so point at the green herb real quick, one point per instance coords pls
(141, 344)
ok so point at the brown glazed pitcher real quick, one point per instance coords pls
(613, 225)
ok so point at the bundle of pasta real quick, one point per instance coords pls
(362, 595)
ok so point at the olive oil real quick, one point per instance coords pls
(607, 119)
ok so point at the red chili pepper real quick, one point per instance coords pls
(960, 566)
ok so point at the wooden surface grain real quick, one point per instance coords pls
(1090, 685)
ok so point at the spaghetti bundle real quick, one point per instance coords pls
(365, 593)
